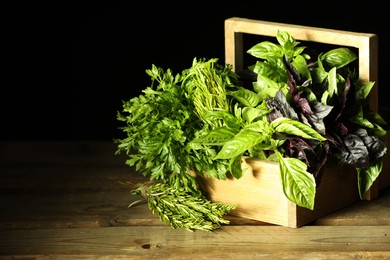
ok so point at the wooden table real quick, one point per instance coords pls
(69, 200)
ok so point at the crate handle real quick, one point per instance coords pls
(366, 43)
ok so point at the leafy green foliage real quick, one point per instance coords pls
(160, 124)
(301, 111)
(324, 93)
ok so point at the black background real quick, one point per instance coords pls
(69, 66)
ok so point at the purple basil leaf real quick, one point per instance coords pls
(375, 146)
(355, 151)
(280, 107)
(305, 150)
(292, 70)
(303, 105)
(316, 119)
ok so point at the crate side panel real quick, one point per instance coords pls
(337, 189)
(258, 193)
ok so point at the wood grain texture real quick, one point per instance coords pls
(227, 242)
(259, 193)
(68, 200)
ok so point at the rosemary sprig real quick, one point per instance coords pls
(182, 208)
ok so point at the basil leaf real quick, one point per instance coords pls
(363, 92)
(244, 140)
(251, 113)
(266, 49)
(246, 97)
(217, 136)
(332, 83)
(299, 186)
(338, 57)
(366, 177)
(293, 127)
(235, 166)
(300, 64)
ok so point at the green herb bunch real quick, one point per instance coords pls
(301, 110)
(159, 125)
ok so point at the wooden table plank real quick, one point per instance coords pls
(81, 200)
(94, 197)
(52, 190)
(369, 213)
(69, 200)
(232, 242)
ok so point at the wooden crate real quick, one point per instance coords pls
(258, 194)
